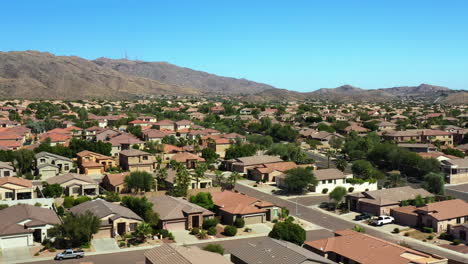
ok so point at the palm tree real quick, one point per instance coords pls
(232, 179)
(219, 177)
(341, 164)
(330, 153)
(143, 230)
(200, 170)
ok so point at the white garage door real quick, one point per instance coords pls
(21, 241)
(175, 226)
(249, 220)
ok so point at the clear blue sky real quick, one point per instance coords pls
(298, 45)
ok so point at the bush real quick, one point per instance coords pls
(52, 250)
(122, 244)
(324, 191)
(407, 234)
(212, 231)
(351, 189)
(359, 229)
(210, 223)
(290, 219)
(456, 242)
(430, 237)
(248, 229)
(396, 230)
(428, 229)
(288, 231)
(216, 248)
(36, 254)
(195, 231)
(203, 234)
(239, 222)
(230, 230)
(68, 202)
(60, 211)
(446, 236)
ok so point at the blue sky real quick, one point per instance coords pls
(297, 45)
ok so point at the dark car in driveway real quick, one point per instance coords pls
(363, 216)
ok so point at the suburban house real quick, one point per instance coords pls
(348, 246)
(115, 182)
(420, 136)
(179, 214)
(116, 220)
(49, 165)
(441, 216)
(22, 225)
(380, 202)
(231, 205)
(190, 160)
(460, 232)
(175, 254)
(386, 126)
(76, 184)
(137, 160)
(273, 251)
(455, 170)
(92, 163)
(123, 141)
(165, 125)
(243, 164)
(6, 169)
(154, 135)
(268, 172)
(15, 188)
(203, 182)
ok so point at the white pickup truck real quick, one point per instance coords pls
(69, 253)
(383, 220)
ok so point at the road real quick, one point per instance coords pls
(317, 217)
(322, 161)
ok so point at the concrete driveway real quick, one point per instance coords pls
(104, 244)
(183, 236)
(259, 228)
(12, 255)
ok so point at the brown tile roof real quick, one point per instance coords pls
(117, 178)
(328, 174)
(133, 152)
(257, 160)
(397, 194)
(174, 254)
(16, 181)
(446, 209)
(458, 162)
(68, 177)
(366, 249)
(280, 166)
(169, 207)
(11, 216)
(101, 208)
(184, 156)
(236, 203)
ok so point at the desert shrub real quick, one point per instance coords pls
(324, 191)
(195, 231)
(230, 230)
(212, 231)
(239, 222)
(428, 229)
(210, 223)
(216, 248)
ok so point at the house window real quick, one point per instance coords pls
(76, 190)
(324, 181)
(67, 167)
(6, 173)
(133, 226)
(42, 161)
(9, 195)
(459, 220)
(145, 157)
(330, 181)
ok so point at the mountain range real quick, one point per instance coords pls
(42, 75)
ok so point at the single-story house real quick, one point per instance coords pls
(22, 225)
(15, 188)
(76, 184)
(115, 182)
(243, 164)
(203, 182)
(231, 205)
(268, 172)
(178, 213)
(379, 202)
(115, 219)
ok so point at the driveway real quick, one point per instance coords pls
(259, 228)
(183, 236)
(104, 244)
(11, 255)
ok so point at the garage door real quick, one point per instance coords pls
(175, 226)
(253, 219)
(21, 241)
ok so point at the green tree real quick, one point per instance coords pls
(363, 169)
(203, 199)
(143, 230)
(335, 142)
(219, 177)
(209, 155)
(232, 179)
(216, 248)
(24, 160)
(200, 170)
(288, 231)
(454, 152)
(298, 179)
(141, 207)
(341, 164)
(237, 151)
(182, 182)
(139, 181)
(337, 194)
(263, 141)
(434, 183)
(75, 230)
(52, 190)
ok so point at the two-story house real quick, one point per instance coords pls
(6, 169)
(49, 165)
(137, 160)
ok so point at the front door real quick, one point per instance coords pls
(195, 221)
(121, 228)
(463, 235)
(37, 235)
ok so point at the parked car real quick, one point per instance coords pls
(69, 253)
(383, 220)
(363, 216)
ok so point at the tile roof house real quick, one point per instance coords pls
(92, 163)
(123, 141)
(6, 169)
(22, 225)
(115, 182)
(272, 251)
(49, 165)
(76, 184)
(15, 188)
(243, 164)
(188, 159)
(379, 202)
(268, 172)
(203, 182)
(231, 205)
(354, 247)
(455, 170)
(178, 213)
(115, 219)
(174, 254)
(137, 160)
